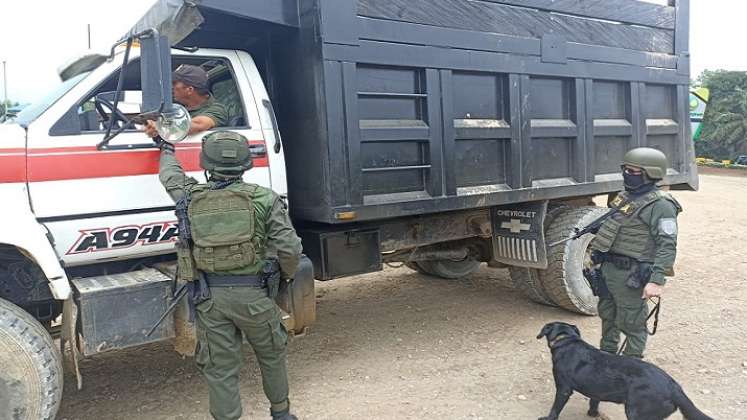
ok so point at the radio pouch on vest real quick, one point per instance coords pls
(222, 223)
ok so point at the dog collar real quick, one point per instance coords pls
(561, 337)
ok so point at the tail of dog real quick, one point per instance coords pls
(688, 409)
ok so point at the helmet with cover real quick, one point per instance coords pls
(225, 154)
(652, 161)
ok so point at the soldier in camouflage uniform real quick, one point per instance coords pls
(636, 248)
(235, 227)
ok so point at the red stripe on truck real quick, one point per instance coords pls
(12, 165)
(68, 163)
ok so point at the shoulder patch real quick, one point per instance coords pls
(668, 226)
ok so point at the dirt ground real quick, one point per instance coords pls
(400, 345)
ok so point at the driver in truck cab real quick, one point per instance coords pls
(191, 90)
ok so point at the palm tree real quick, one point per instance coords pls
(731, 124)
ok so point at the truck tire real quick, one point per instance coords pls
(528, 280)
(30, 367)
(563, 280)
(450, 269)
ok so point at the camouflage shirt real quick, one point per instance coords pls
(281, 239)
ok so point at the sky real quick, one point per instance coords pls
(40, 35)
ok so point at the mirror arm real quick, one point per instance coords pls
(120, 83)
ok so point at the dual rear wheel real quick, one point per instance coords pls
(562, 283)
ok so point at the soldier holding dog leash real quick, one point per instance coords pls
(633, 252)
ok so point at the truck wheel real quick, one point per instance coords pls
(563, 280)
(528, 280)
(30, 367)
(450, 269)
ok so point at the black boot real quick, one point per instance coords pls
(283, 415)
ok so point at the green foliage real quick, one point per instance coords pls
(725, 121)
(723, 165)
(3, 105)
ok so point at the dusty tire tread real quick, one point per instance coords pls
(528, 281)
(37, 340)
(553, 279)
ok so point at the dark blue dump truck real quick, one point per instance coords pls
(438, 134)
(447, 133)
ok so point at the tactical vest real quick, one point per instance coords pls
(625, 233)
(228, 227)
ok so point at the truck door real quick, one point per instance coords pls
(109, 204)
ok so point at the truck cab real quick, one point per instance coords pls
(104, 204)
(87, 221)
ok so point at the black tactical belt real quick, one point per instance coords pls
(215, 280)
(622, 262)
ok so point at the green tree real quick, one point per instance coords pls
(730, 125)
(725, 121)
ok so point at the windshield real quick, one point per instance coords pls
(32, 112)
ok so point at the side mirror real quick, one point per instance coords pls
(173, 125)
(155, 77)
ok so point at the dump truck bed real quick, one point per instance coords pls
(390, 108)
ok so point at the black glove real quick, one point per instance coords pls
(162, 144)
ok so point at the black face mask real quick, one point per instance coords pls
(637, 184)
(633, 182)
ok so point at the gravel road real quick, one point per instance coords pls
(401, 345)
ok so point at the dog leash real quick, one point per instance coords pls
(654, 313)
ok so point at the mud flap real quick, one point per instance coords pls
(70, 336)
(518, 234)
(297, 300)
(185, 339)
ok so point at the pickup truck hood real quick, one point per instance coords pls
(12, 165)
(12, 136)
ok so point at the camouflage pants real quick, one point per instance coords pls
(623, 311)
(220, 323)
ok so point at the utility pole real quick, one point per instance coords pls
(89, 36)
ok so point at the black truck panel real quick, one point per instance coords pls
(391, 108)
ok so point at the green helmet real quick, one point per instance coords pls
(225, 154)
(652, 161)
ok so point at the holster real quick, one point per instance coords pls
(639, 278)
(596, 281)
(197, 293)
(271, 275)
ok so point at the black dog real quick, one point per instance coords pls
(647, 391)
